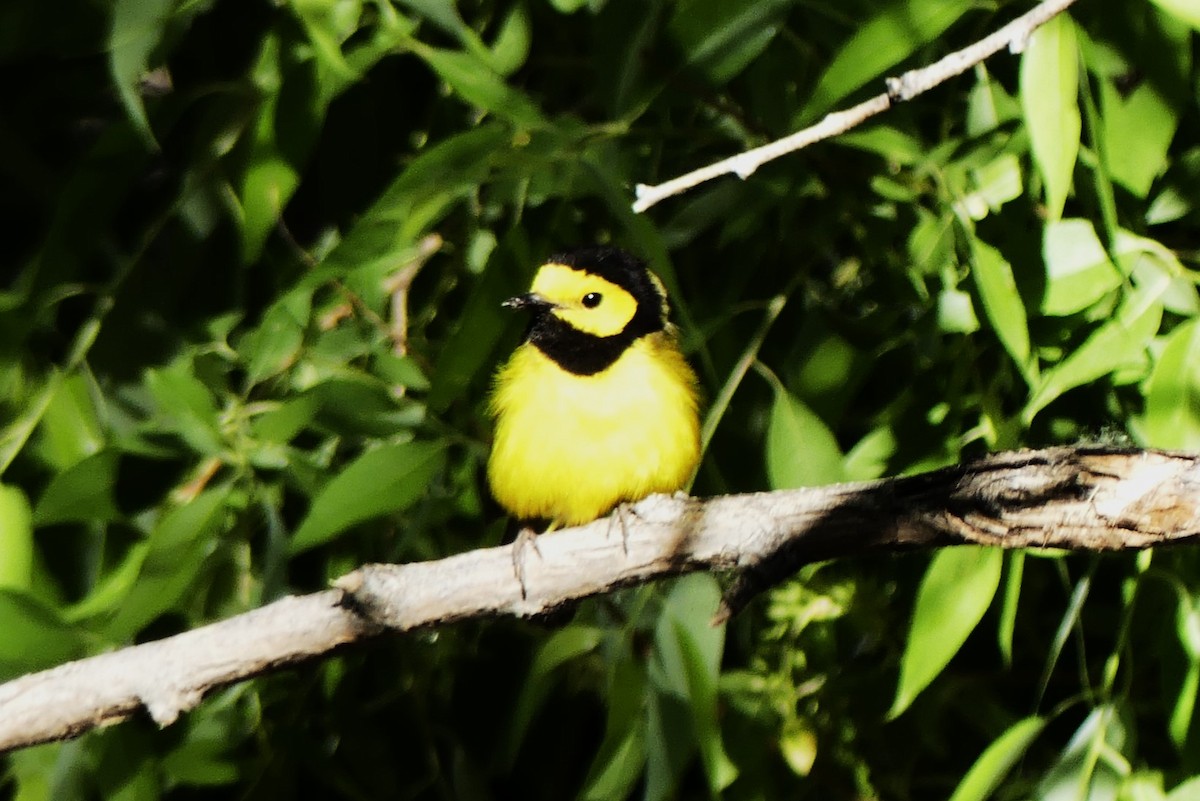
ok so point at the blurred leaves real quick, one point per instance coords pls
(254, 261)
(387, 479)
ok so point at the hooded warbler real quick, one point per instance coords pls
(597, 406)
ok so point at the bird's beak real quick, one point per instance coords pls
(530, 301)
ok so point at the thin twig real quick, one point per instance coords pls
(398, 285)
(1014, 36)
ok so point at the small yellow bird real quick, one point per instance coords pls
(597, 406)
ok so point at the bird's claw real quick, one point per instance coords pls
(526, 538)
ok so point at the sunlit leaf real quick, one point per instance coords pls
(1049, 89)
(1119, 343)
(70, 428)
(1138, 128)
(998, 290)
(1172, 416)
(957, 589)
(511, 46)
(1189, 789)
(84, 491)
(1078, 270)
(1184, 10)
(16, 539)
(1076, 773)
(801, 450)
(993, 764)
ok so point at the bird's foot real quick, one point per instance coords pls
(619, 514)
(526, 538)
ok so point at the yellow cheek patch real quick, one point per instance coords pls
(567, 287)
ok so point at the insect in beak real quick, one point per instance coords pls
(530, 301)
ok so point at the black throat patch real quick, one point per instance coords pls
(587, 354)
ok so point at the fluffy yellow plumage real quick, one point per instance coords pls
(597, 406)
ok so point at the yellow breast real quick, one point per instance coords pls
(569, 447)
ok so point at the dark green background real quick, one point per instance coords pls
(204, 406)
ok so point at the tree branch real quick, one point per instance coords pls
(1084, 498)
(1014, 35)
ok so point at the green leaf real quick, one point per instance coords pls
(1049, 102)
(187, 406)
(137, 29)
(381, 481)
(994, 764)
(1002, 303)
(270, 178)
(721, 37)
(1189, 789)
(620, 769)
(1180, 723)
(16, 539)
(1008, 609)
(1172, 416)
(510, 48)
(1078, 270)
(621, 758)
(685, 668)
(470, 346)
(422, 194)
(994, 184)
(1185, 10)
(401, 371)
(82, 492)
(35, 637)
(955, 312)
(1150, 263)
(881, 43)
(70, 429)
(269, 184)
(801, 450)
(326, 30)
(955, 593)
(1138, 128)
(283, 422)
(175, 556)
(1120, 343)
(476, 82)
(869, 458)
(275, 344)
(1079, 772)
(563, 646)
(688, 610)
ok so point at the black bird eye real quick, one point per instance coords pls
(592, 299)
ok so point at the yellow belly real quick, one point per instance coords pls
(569, 448)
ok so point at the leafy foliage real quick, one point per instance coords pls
(255, 256)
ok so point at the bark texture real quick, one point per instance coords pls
(1082, 498)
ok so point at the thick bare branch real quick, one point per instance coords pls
(1090, 498)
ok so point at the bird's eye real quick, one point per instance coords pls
(591, 300)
